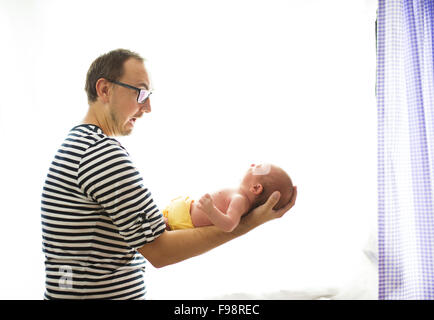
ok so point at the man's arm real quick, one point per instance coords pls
(178, 245)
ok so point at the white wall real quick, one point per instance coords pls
(236, 82)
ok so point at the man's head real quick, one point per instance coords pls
(110, 84)
(261, 180)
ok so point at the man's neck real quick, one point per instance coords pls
(99, 120)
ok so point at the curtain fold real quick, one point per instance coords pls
(405, 101)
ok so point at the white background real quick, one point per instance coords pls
(235, 83)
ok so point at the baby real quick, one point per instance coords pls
(225, 207)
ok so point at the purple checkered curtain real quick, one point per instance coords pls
(405, 99)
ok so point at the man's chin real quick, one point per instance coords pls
(122, 132)
(126, 132)
(127, 129)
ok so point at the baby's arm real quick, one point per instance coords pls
(226, 222)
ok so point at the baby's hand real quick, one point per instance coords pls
(205, 203)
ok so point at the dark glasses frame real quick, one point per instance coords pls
(141, 92)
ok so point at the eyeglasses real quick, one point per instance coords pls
(142, 95)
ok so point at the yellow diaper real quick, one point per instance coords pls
(178, 213)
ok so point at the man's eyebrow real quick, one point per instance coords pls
(144, 85)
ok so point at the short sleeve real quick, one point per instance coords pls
(107, 176)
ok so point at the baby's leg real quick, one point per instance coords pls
(166, 221)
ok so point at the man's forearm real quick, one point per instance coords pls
(178, 245)
(175, 246)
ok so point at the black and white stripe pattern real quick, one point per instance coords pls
(95, 213)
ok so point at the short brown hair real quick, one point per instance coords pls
(276, 180)
(109, 66)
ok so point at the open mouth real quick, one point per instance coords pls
(132, 121)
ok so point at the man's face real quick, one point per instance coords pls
(124, 108)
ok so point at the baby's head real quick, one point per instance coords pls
(261, 180)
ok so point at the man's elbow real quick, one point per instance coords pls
(152, 255)
(156, 263)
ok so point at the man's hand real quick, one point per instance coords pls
(265, 212)
(279, 213)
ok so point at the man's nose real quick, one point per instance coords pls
(146, 107)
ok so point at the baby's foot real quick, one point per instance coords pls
(166, 221)
(206, 203)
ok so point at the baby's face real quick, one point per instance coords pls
(260, 169)
(253, 173)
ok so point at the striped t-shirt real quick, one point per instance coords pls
(95, 213)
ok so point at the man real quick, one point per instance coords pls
(99, 222)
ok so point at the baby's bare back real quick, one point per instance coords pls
(221, 198)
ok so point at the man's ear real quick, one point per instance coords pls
(256, 189)
(103, 88)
